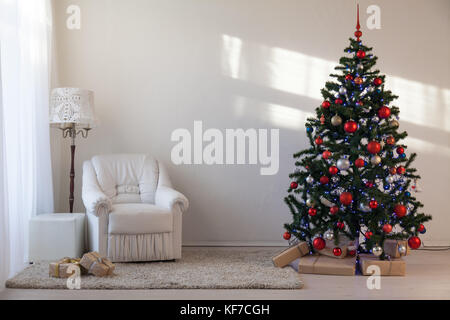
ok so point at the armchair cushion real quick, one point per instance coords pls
(139, 218)
(122, 177)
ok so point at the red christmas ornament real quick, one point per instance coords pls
(358, 32)
(318, 243)
(338, 101)
(346, 198)
(369, 184)
(322, 119)
(350, 126)
(358, 80)
(359, 163)
(324, 180)
(400, 150)
(312, 212)
(373, 147)
(326, 154)
(400, 210)
(326, 104)
(384, 112)
(377, 81)
(319, 141)
(387, 228)
(390, 140)
(286, 236)
(351, 253)
(421, 228)
(348, 77)
(361, 54)
(393, 170)
(414, 242)
(334, 210)
(333, 170)
(401, 170)
(368, 234)
(294, 185)
(340, 225)
(373, 204)
(337, 251)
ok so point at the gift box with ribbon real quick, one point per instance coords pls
(97, 265)
(321, 264)
(60, 269)
(393, 267)
(290, 254)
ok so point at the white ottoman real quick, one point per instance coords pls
(57, 235)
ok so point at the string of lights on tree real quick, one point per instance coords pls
(356, 179)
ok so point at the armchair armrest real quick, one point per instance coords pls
(95, 201)
(167, 197)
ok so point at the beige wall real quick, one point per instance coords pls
(159, 65)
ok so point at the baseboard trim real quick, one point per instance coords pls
(436, 243)
(426, 243)
(235, 244)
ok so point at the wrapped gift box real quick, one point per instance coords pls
(60, 269)
(391, 247)
(290, 254)
(393, 267)
(97, 265)
(320, 264)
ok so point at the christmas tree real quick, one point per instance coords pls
(355, 180)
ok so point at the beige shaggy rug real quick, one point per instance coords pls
(200, 268)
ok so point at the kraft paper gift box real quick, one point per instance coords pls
(320, 264)
(393, 267)
(344, 244)
(97, 265)
(60, 269)
(391, 247)
(290, 254)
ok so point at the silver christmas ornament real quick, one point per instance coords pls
(390, 179)
(336, 120)
(375, 160)
(310, 202)
(377, 251)
(309, 179)
(342, 90)
(360, 66)
(375, 119)
(370, 88)
(328, 235)
(364, 207)
(343, 164)
(402, 249)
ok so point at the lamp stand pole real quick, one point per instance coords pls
(72, 132)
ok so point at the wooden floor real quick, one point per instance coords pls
(428, 277)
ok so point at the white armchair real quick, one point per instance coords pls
(133, 213)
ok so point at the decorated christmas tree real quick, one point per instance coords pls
(356, 179)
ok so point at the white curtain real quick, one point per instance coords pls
(25, 169)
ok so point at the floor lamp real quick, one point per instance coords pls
(72, 111)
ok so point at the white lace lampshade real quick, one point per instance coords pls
(70, 106)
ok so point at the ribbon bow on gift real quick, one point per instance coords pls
(65, 260)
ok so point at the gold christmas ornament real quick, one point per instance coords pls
(375, 160)
(336, 120)
(394, 124)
